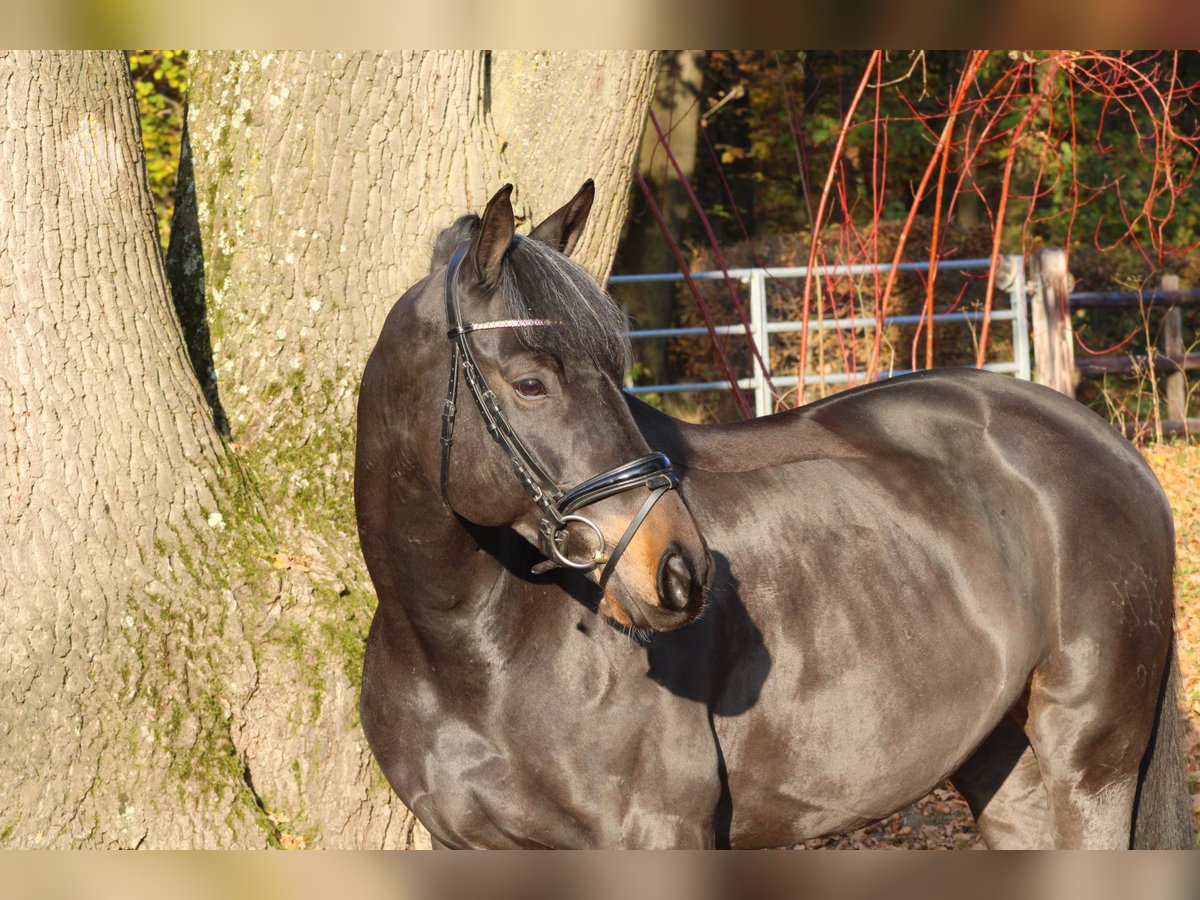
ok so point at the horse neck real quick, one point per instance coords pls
(447, 585)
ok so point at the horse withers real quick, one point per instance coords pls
(599, 626)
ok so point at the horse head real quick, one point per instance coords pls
(534, 432)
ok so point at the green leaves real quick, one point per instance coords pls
(160, 85)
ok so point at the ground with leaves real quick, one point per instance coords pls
(941, 820)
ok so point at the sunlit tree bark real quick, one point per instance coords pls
(121, 654)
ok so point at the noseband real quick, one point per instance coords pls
(559, 508)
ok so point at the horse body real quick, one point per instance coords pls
(599, 757)
(951, 574)
(895, 580)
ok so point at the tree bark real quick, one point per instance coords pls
(121, 657)
(321, 180)
(562, 117)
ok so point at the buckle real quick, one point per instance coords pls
(666, 480)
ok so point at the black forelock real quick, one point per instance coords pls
(538, 282)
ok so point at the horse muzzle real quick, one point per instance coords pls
(652, 471)
(681, 580)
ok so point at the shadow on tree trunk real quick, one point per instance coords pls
(185, 271)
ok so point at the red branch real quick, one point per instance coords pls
(820, 217)
(998, 231)
(942, 147)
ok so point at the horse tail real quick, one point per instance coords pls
(1162, 809)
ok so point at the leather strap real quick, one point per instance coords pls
(449, 411)
(634, 524)
(652, 471)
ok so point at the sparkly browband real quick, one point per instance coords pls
(499, 323)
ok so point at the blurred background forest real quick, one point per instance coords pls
(920, 156)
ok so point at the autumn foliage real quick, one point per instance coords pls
(876, 157)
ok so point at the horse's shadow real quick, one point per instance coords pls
(719, 660)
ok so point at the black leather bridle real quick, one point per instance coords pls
(559, 508)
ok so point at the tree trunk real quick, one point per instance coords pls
(321, 180)
(311, 192)
(123, 656)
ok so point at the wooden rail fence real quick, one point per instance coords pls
(1055, 364)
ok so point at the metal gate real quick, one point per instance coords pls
(1010, 279)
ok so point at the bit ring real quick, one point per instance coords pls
(562, 559)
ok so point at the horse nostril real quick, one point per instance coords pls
(674, 582)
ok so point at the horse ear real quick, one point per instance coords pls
(493, 238)
(563, 228)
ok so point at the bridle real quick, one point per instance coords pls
(559, 508)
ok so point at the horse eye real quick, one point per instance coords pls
(530, 387)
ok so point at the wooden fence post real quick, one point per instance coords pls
(1053, 340)
(1172, 347)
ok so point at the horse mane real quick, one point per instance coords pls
(538, 282)
(451, 238)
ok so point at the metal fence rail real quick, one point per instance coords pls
(1011, 280)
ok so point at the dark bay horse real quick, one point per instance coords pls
(818, 617)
